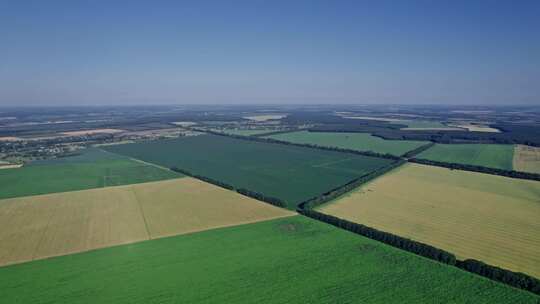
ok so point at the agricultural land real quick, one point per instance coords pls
(289, 260)
(290, 173)
(485, 217)
(37, 227)
(353, 141)
(94, 168)
(527, 159)
(486, 155)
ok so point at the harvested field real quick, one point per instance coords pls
(265, 117)
(353, 141)
(42, 226)
(487, 155)
(527, 159)
(242, 263)
(290, 173)
(94, 168)
(91, 132)
(490, 218)
(9, 138)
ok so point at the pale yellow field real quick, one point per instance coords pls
(9, 138)
(265, 117)
(527, 159)
(37, 227)
(490, 218)
(477, 128)
(90, 132)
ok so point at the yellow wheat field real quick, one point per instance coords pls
(527, 159)
(36, 227)
(489, 218)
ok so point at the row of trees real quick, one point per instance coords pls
(515, 279)
(418, 150)
(336, 192)
(261, 197)
(481, 169)
(256, 195)
(385, 237)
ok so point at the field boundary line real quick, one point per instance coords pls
(309, 146)
(142, 213)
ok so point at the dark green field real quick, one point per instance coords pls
(291, 260)
(290, 173)
(92, 169)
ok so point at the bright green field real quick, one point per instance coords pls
(290, 260)
(93, 169)
(291, 173)
(353, 141)
(487, 155)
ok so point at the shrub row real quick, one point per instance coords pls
(418, 150)
(336, 192)
(481, 169)
(515, 279)
(385, 237)
(256, 195)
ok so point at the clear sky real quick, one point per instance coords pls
(191, 52)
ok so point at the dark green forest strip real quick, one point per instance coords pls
(261, 197)
(506, 173)
(418, 150)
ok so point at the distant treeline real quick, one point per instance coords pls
(256, 195)
(418, 150)
(526, 134)
(275, 132)
(275, 141)
(481, 169)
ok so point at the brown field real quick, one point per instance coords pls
(527, 159)
(490, 218)
(9, 138)
(476, 128)
(9, 166)
(90, 132)
(37, 227)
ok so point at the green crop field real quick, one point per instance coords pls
(487, 155)
(353, 141)
(92, 169)
(288, 172)
(290, 260)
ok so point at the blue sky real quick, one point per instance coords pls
(248, 52)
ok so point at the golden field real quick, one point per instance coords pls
(526, 159)
(485, 217)
(36, 227)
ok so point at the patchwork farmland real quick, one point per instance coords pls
(489, 218)
(93, 169)
(290, 173)
(352, 141)
(37, 227)
(289, 260)
(486, 155)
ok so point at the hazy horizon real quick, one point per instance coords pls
(269, 53)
